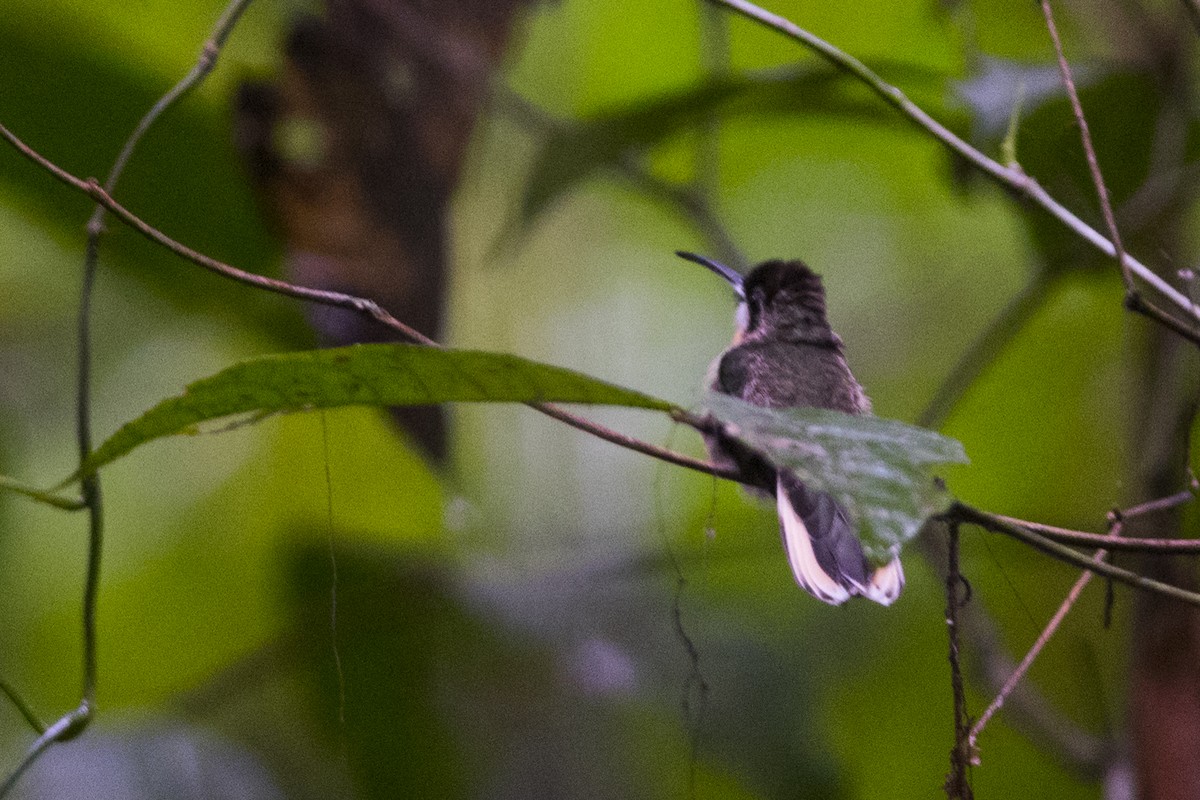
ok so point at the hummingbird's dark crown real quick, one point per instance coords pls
(786, 300)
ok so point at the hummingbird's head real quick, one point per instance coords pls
(785, 299)
(777, 300)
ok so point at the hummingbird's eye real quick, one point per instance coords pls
(742, 316)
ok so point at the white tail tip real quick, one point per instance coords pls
(883, 586)
(886, 583)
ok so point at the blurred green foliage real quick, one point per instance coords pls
(522, 626)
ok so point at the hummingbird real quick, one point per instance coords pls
(785, 354)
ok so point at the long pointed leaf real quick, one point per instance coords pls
(579, 150)
(369, 374)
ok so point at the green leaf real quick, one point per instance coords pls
(367, 374)
(575, 152)
(878, 469)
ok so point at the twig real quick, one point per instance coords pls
(1161, 504)
(639, 446)
(1084, 539)
(1089, 150)
(22, 707)
(1116, 524)
(49, 498)
(209, 52)
(1140, 305)
(1133, 299)
(957, 785)
(1026, 662)
(991, 522)
(63, 729)
(74, 722)
(1013, 178)
(1031, 712)
(986, 348)
(1116, 517)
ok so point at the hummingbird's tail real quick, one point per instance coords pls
(823, 549)
(886, 583)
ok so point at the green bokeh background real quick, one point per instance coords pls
(513, 622)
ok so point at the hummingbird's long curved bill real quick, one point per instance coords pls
(728, 273)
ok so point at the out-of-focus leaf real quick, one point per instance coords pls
(992, 92)
(374, 375)
(878, 469)
(1123, 111)
(442, 700)
(155, 761)
(607, 624)
(576, 152)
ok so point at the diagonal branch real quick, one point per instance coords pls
(49, 498)
(1019, 673)
(22, 707)
(1116, 526)
(1133, 298)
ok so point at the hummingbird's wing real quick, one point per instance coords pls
(778, 374)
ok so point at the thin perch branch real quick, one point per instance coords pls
(991, 522)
